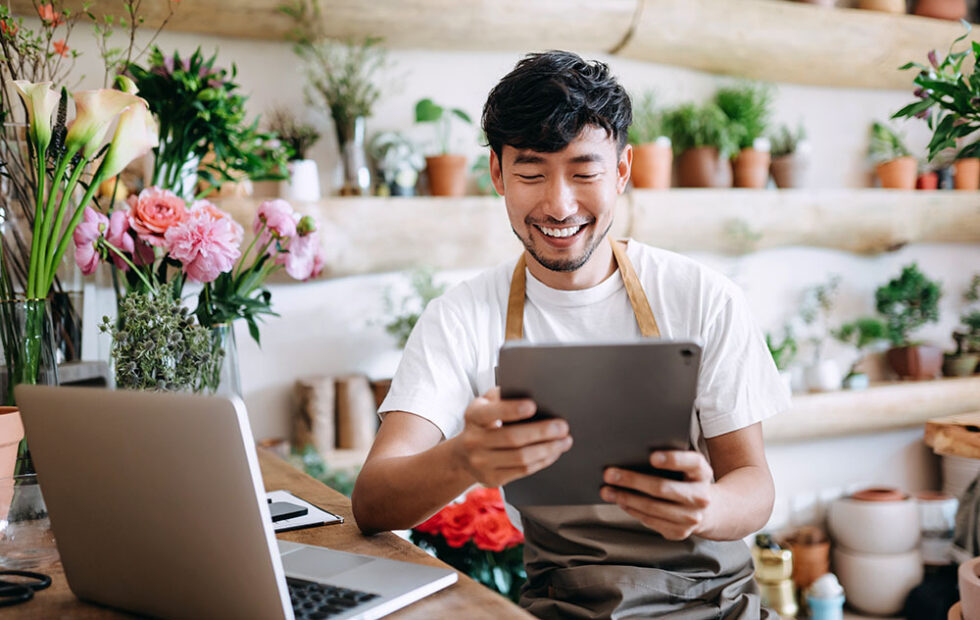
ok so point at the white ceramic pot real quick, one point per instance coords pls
(304, 182)
(874, 527)
(969, 581)
(877, 584)
(824, 376)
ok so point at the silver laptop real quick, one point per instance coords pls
(157, 506)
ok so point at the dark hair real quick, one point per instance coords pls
(549, 97)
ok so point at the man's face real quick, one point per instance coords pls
(561, 204)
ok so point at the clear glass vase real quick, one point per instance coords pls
(27, 341)
(221, 376)
(350, 139)
(26, 539)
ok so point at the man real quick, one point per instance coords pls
(557, 130)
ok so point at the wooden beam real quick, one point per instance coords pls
(780, 41)
(880, 408)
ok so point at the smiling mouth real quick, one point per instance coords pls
(560, 233)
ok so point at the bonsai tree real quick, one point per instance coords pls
(861, 334)
(969, 341)
(427, 111)
(691, 126)
(748, 108)
(885, 145)
(907, 303)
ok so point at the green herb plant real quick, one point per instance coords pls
(784, 350)
(785, 141)
(691, 126)
(311, 463)
(405, 314)
(907, 303)
(948, 97)
(748, 108)
(648, 120)
(885, 144)
(159, 346)
(427, 111)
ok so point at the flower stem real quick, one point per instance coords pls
(126, 260)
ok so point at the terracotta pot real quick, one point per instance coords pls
(751, 168)
(916, 362)
(954, 10)
(885, 6)
(651, 166)
(962, 365)
(898, 173)
(698, 167)
(788, 171)
(11, 432)
(966, 173)
(447, 174)
(811, 555)
(927, 181)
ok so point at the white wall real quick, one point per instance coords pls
(330, 327)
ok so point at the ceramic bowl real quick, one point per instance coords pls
(877, 584)
(874, 526)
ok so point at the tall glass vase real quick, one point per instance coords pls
(221, 375)
(350, 139)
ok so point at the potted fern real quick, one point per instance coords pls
(893, 163)
(702, 139)
(748, 108)
(652, 154)
(907, 303)
(788, 149)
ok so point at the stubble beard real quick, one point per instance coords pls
(563, 264)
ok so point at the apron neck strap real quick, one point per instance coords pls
(641, 306)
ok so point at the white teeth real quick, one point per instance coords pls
(560, 232)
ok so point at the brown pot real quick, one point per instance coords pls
(751, 168)
(916, 362)
(954, 10)
(651, 166)
(11, 432)
(788, 171)
(447, 174)
(898, 173)
(698, 167)
(811, 555)
(966, 173)
(885, 6)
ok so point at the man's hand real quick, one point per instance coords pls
(494, 453)
(674, 508)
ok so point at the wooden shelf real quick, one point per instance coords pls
(772, 40)
(880, 408)
(373, 235)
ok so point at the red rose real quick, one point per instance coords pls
(484, 500)
(433, 525)
(494, 531)
(457, 524)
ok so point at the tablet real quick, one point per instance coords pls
(621, 400)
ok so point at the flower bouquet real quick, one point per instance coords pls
(476, 537)
(159, 243)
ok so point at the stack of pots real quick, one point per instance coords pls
(876, 553)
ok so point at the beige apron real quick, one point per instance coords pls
(598, 562)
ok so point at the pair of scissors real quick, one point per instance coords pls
(16, 592)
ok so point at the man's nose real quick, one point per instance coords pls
(560, 201)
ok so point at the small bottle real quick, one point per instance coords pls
(825, 598)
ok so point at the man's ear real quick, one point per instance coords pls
(623, 168)
(496, 173)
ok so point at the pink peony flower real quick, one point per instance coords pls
(120, 238)
(153, 212)
(277, 215)
(300, 257)
(205, 246)
(206, 206)
(86, 238)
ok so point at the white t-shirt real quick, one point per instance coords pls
(452, 352)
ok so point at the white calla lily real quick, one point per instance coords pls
(135, 135)
(41, 102)
(94, 112)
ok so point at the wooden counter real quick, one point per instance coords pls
(465, 599)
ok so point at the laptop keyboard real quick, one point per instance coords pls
(319, 600)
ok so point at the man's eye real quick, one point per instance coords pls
(587, 176)
(530, 177)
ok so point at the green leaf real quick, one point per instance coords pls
(463, 115)
(426, 111)
(913, 108)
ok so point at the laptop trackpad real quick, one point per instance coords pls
(320, 563)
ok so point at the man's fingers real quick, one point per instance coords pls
(512, 473)
(659, 509)
(520, 435)
(693, 464)
(687, 493)
(524, 457)
(490, 413)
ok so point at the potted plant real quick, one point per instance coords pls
(304, 179)
(702, 139)
(447, 172)
(965, 359)
(789, 150)
(927, 179)
(947, 101)
(894, 164)
(822, 375)
(652, 153)
(748, 108)
(398, 161)
(783, 353)
(906, 303)
(402, 316)
(954, 10)
(861, 334)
